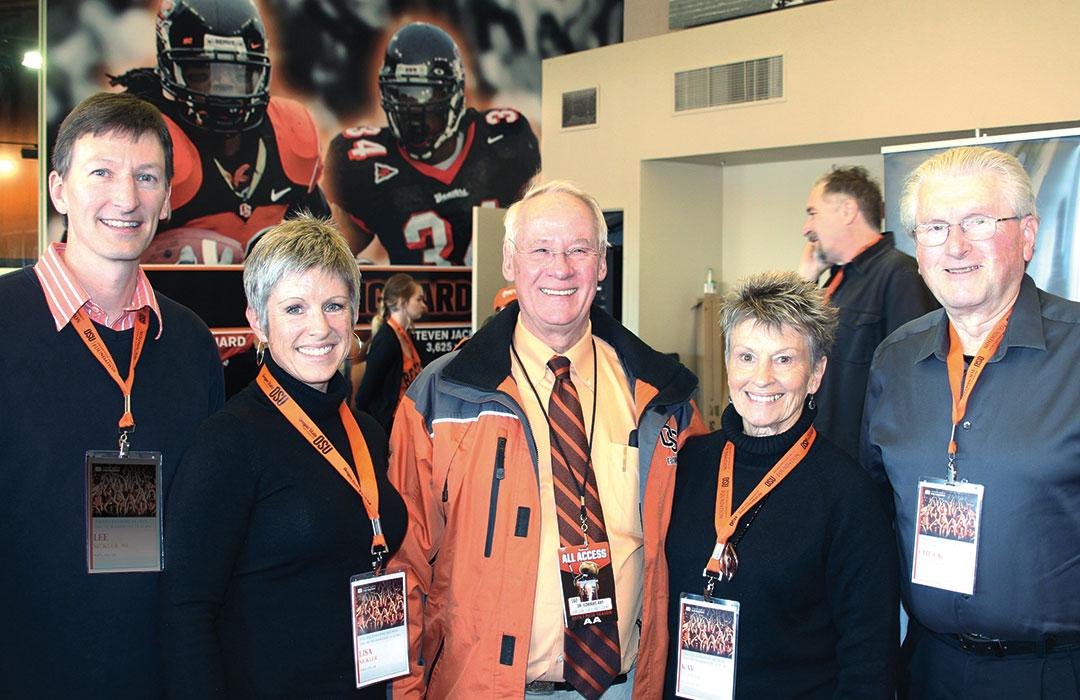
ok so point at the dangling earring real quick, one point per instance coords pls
(810, 403)
(260, 352)
(355, 354)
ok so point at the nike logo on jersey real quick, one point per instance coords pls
(441, 197)
(384, 172)
(493, 139)
(275, 195)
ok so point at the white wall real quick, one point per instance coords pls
(765, 208)
(856, 72)
(681, 203)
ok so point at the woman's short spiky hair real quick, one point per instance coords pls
(295, 246)
(781, 300)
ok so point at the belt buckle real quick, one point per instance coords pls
(540, 687)
(978, 644)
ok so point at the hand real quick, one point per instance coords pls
(811, 265)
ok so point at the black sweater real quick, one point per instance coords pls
(380, 387)
(262, 537)
(63, 632)
(817, 580)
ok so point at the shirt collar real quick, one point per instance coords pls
(535, 353)
(65, 295)
(865, 257)
(1025, 327)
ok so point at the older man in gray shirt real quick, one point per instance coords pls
(971, 420)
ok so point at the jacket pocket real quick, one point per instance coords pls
(493, 504)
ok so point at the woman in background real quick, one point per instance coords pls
(264, 530)
(392, 359)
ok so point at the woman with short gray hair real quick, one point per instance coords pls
(780, 556)
(271, 512)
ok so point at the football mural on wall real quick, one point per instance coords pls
(396, 117)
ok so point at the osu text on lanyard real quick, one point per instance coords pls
(93, 341)
(961, 385)
(724, 561)
(366, 485)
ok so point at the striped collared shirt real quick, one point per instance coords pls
(65, 295)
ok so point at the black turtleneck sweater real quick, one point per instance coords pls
(817, 580)
(261, 538)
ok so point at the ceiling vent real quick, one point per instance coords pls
(579, 108)
(729, 84)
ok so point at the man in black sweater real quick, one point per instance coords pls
(876, 288)
(70, 385)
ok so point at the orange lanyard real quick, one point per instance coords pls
(93, 341)
(835, 281)
(723, 562)
(961, 385)
(411, 364)
(366, 486)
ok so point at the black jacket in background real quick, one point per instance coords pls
(880, 292)
(380, 387)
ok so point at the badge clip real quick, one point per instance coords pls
(378, 546)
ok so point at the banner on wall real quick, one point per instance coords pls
(1052, 160)
(216, 294)
(324, 117)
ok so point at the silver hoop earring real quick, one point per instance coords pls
(810, 403)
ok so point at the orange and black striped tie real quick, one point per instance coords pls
(591, 653)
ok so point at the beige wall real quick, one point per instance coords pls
(679, 202)
(857, 74)
(764, 210)
(644, 18)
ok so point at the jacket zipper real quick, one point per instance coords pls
(434, 660)
(496, 480)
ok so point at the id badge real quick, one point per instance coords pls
(380, 627)
(123, 512)
(708, 638)
(588, 584)
(947, 535)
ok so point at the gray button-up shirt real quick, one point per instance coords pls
(1020, 438)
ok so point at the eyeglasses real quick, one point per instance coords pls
(976, 227)
(575, 255)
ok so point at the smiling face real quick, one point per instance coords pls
(978, 279)
(555, 296)
(113, 195)
(309, 325)
(769, 376)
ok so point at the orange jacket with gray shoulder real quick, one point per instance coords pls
(464, 460)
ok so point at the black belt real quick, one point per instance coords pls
(560, 686)
(984, 646)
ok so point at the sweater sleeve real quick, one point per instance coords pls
(863, 586)
(206, 522)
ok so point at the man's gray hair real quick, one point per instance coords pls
(513, 222)
(1012, 179)
(779, 300)
(297, 245)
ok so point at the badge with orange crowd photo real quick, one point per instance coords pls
(588, 584)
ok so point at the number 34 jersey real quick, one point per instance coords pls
(422, 214)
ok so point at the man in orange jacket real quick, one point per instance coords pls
(518, 470)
